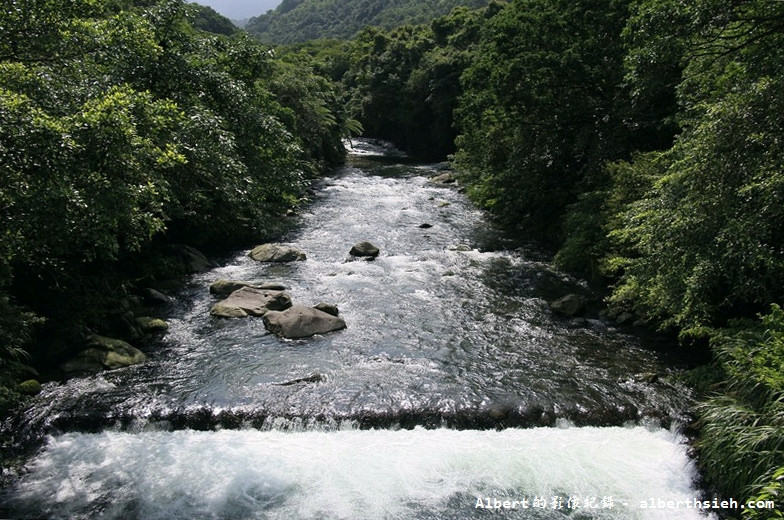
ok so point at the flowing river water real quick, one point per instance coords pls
(453, 387)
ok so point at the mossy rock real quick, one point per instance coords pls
(29, 387)
(151, 325)
(103, 353)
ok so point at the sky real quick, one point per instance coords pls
(239, 9)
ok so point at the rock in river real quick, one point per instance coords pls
(364, 249)
(151, 325)
(329, 308)
(570, 305)
(29, 387)
(444, 178)
(103, 353)
(248, 301)
(191, 259)
(276, 253)
(301, 322)
(226, 287)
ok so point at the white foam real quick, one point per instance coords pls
(354, 474)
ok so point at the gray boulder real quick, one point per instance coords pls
(365, 249)
(226, 287)
(570, 305)
(103, 353)
(154, 297)
(328, 308)
(276, 253)
(444, 178)
(301, 322)
(248, 301)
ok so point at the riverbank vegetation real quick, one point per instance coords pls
(125, 130)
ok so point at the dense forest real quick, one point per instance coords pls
(642, 140)
(302, 20)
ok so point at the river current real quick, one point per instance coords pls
(454, 387)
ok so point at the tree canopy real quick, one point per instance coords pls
(300, 20)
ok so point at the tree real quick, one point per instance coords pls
(538, 114)
(707, 238)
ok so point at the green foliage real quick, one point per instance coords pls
(741, 443)
(207, 19)
(597, 243)
(405, 83)
(16, 335)
(297, 21)
(538, 113)
(771, 490)
(706, 239)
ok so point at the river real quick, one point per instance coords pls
(453, 390)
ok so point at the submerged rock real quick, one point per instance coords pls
(365, 249)
(570, 305)
(248, 301)
(313, 378)
(301, 322)
(276, 253)
(103, 353)
(646, 377)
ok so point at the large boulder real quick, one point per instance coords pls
(154, 297)
(301, 322)
(570, 305)
(226, 287)
(444, 178)
(276, 253)
(192, 260)
(248, 301)
(103, 353)
(364, 249)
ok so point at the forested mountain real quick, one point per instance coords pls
(207, 19)
(302, 20)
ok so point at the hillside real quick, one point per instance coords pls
(303, 20)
